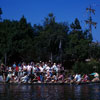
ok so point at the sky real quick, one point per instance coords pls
(64, 11)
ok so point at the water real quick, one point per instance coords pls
(50, 92)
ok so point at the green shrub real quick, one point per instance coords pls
(86, 67)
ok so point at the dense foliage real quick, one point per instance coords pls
(58, 42)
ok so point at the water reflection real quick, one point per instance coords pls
(49, 92)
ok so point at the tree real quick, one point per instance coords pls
(16, 41)
(0, 13)
(76, 25)
(50, 37)
(23, 41)
(78, 45)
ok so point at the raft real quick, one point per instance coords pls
(81, 83)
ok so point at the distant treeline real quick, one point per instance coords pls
(58, 42)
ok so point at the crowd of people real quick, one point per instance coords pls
(42, 72)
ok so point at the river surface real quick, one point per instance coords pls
(50, 92)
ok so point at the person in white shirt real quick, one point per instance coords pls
(47, 68)
(41, 68)
(29, 67)
(54, 67)
(78, 78)
(24, 67)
